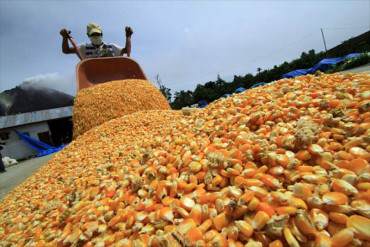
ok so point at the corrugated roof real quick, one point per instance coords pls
(34, 117)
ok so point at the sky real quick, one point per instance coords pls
(185, 42)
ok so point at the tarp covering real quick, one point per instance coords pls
(202, 103)
(258, 84)
(239, 90)
(352, 55)
(295, 73)
(323, 65)
(41, 147)
(49, 151)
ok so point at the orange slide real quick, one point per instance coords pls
(99, 70)
(92, 71)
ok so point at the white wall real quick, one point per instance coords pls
(14, 147)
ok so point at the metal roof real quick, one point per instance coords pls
(34, 117)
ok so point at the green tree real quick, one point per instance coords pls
(182, 99)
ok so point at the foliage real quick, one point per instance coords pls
(182, 99)
(359, 44)
(352, 63)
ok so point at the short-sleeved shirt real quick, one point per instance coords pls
(104, 50)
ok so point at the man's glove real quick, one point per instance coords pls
(128, 31)
(65, 33)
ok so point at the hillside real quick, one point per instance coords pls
(359, 43)
(28, 98)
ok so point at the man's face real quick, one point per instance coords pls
(96, 35)
(96, 38)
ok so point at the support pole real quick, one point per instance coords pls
(323, 39)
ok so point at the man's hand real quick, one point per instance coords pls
(65, 33)
(128, 31)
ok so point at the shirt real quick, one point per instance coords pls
(104, 50)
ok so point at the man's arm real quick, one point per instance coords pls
(65, 45)
(127, 48)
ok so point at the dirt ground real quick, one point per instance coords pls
(15, 175)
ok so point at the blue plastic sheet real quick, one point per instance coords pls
(50, 151)
(41, 148)
(323, 65)
(239, 90)
(202, 103)
(295, 73)
(258, 84)
(352, 55)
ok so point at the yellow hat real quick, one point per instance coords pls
(93, 28)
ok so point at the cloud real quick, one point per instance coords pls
(55, 81)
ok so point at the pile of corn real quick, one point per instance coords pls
(286, 164)
(96, 105)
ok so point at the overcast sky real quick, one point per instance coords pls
(187, 42)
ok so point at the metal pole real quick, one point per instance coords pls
(323, 38)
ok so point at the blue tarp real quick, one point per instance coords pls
(258, 84)
(239, 90)
(323, 65)
(41, 147)
(202, 103)
(295, 73)
(352, 55)
(50, 151)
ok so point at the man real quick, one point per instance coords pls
(97, 48)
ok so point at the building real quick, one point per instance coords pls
(51, 126)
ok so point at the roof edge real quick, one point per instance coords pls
(9, 121)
